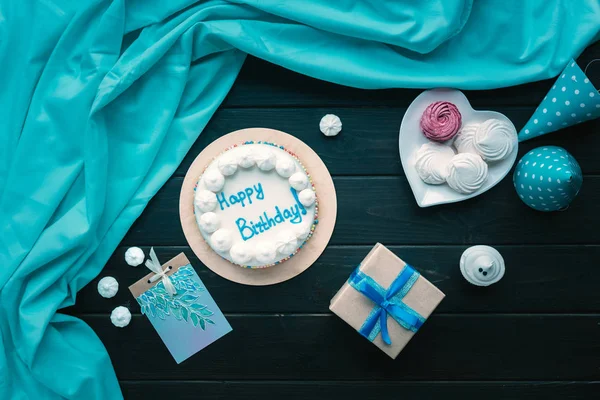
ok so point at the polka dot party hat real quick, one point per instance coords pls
(547, 178)
(573, 99)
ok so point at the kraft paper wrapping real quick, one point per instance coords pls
(384, 266)
(311, 249)
(143, 284)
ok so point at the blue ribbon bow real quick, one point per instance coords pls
(387, 302)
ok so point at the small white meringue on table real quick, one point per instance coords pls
(134, 256)
(431, 161)
(482, 265)
(330, 125)
(108, 287)
(120, 317)
(466, 173)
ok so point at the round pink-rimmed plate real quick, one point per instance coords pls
(311, 250)
(411, 139)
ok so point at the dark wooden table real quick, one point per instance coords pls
(534, 335)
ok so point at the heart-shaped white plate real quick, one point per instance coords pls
(411, 139)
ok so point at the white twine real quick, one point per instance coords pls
(154, 265)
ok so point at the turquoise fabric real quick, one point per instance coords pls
(100, 101)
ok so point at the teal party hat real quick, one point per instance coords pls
(573, 99)
(547, 178)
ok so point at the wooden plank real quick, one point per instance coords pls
(285, 347)
(538, 279)
(368, 144)
(263, 84)
(316, 390)
(383, 209)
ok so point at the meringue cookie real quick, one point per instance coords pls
(482, 265)
(307, 197)
(241, 253)
(440, 121)
(302, 231)
(213, 180)
(209, 222)
(466, 173)
(134, 256)
(265, 159)
(286, 243)
(464, 140)
(205, 200)
(221, 240)
(246, 157)
(227, 164)
(298, 181)
(285, 167)
(120, 317)
(265, 253)
(330, 125)
(431, 163)
(108, 287)
(495, 139)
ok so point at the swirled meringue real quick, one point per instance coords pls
(246, 157)
(298, 181)
(134, 256)
(330, 125)
(227, 164)
(466, 173)
(205, 200)
(265, 159)
(302, 231)
(120, 317)
(464, 140)
(440, 121)
(108, 287)
(209, 222)
(431, 163)
(286, 243)
(213, 180)
(307, 197)
(241, 253)
(285, 167)
(482, 265)
(221, 240)
(265, 252)
(495, 139)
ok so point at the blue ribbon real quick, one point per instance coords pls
(387, 302)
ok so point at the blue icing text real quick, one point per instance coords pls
(241, 196)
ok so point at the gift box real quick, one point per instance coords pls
(386, 300)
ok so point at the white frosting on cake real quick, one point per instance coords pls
(263, 212)
(466, 173)
(299, 181)
(432, 161)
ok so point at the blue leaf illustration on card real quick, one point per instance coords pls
(157, 303)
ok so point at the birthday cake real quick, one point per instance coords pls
(255, 204)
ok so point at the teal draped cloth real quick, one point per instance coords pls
(101, 100)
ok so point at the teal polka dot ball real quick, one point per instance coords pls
(548, 178)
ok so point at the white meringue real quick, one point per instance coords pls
(330, 125)
(286, 243)
(298, 181)
(466, 173)
(464, 140)
(213, 180)
(241, 253)
(120, 317)
(285, 167)
(246, 157)
(495, 139)
(221, 240)
(265, 159)
(227, 164)
(108, 287)
(302, 231)
(209, 222)
(431, 162)
(482, 265)
(205, 200)
(266, 253)
(134, 256)
(307, 197)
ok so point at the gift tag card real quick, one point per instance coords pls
(188, 321)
